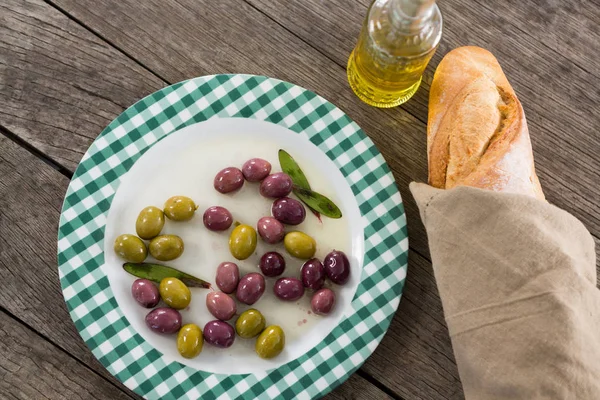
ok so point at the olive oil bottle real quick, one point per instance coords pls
(397, 40)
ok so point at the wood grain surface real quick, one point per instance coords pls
(32, 368)
(68, 67)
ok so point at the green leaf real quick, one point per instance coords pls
(291, 167)
(318, 202)
(157, 272)
(293, 170)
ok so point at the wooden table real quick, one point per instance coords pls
(68, 67)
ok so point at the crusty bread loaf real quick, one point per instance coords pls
(477, 134)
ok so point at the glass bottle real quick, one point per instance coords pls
(397, 40)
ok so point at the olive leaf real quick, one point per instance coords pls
(293, 170)
(318, 202)
(157, 272)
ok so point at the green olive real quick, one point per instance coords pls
(190, 341)
(250, 323)
(149, 222)
(130, 248)
(180, 208)
(271, 342)
(166, 247)
(242, 241)
(175, 293)
(300, 245)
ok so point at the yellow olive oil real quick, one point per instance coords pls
(398, 39)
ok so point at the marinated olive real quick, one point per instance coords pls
(272, 264)
(166, 247)
(228, 180)
(270, 342)
(164, 320)
(217, 218)
(250, 288)
(190, 341)
(270, 230)
(322, 301)
(300, 245)
(242, 242)
(220, 305)
(313, 274)
(276, 185)
(180, 208)
(175, 293)
(288, 211)
(145, 293)
(256, 169)
(130, 248)
(219, 334)
(228, 276)
(288, 289)
(250, 324)
(150, 222)
(337, 267)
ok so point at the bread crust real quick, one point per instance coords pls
(477, 133)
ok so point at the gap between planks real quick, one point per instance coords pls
(39, 154)
(368, 377)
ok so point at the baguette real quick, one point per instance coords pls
(477, 133)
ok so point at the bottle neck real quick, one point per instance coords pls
(411, 14)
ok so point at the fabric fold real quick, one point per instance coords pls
(517, 279)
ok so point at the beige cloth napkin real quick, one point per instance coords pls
(517, 278)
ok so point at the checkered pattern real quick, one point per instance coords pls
(88, 295)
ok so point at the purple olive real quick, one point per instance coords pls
(217, 218)
(289, 289)
(322, 301)
(164, 320)
(288, 211)
(313, 274)
(270, 230)
(276, 185)
(272, 264)
(221, 305)
(145, 293)
(250, 288)
(228, 276)
(337, 267)
(219, 334)
(228, 180)
(256, 169)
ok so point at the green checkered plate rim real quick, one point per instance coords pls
(86, 288)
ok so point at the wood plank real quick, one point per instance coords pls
(568, 27)
(33, 368)
(564, 128)
(60, 84)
